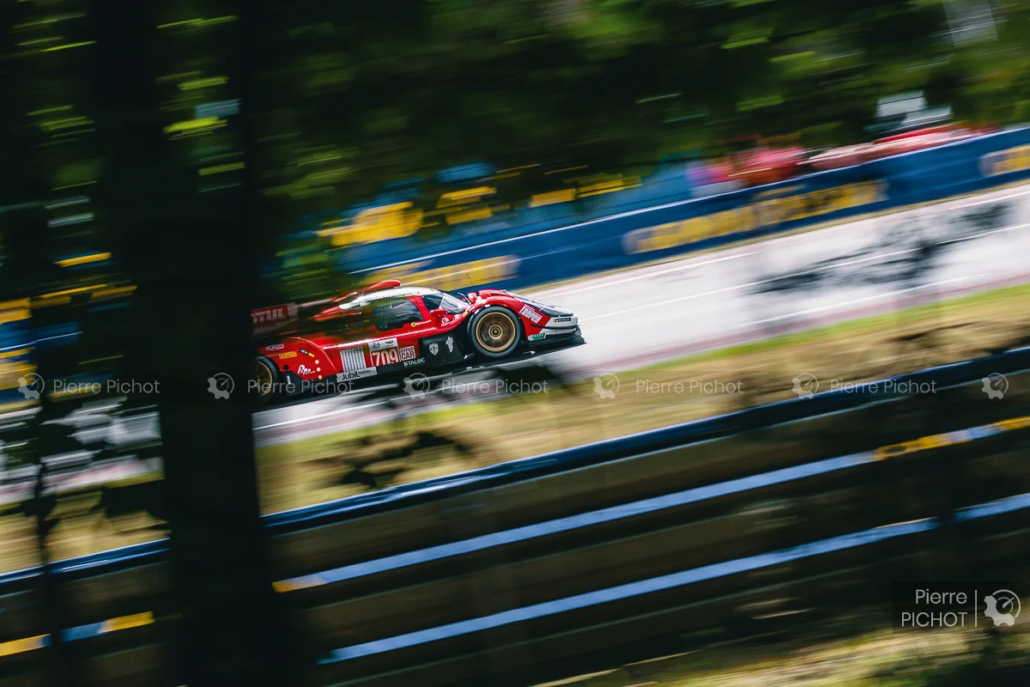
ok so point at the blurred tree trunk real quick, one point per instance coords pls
(193, 258)
(27, 274)
(28, 270)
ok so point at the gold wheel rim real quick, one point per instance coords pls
(496, 332)
(263, 377)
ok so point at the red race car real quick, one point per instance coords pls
(387, 331)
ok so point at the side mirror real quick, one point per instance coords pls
(437, 315)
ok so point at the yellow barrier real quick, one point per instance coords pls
(18, 646)
(127, 622)
(1004, 161)
(784, 206)
(378, 224)
(454, 277)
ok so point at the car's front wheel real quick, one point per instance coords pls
(266, 374)
(495, 331)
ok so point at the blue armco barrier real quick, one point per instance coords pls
(630, 590)
(513, 254)
(529, 468)
(633, 589)
(635, 509)
(674, 580)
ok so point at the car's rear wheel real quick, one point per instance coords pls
(265, 376)
(495, 331)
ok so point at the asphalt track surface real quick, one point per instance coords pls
(663, 312)
(698, 303)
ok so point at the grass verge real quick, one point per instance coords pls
(939, 658)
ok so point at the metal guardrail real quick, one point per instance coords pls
(595, 589)
(766, 485)
(678, 579)
(408, 495)
(590, 586)
(441, 654)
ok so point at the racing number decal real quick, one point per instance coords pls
(384, 352)
(386, 356)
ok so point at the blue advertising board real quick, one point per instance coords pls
(511, 254)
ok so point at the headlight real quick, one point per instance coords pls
(548, 310)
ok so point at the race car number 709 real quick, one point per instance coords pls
(385, 357)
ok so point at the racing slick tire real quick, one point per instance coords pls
(266, 375)
(495, 332)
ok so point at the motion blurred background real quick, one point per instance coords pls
(748, 204)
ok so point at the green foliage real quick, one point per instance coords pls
(410, 87)
(356, 95)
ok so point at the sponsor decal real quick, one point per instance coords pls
(434, 348)
(287, 355)
(450, 344)
(531, 314)
(356, 374)
(275, 347)
(1005, 161)
(382, 345)
(563, 319)
(537, 337)
(772, 208)
(411, 363)
(408, 353)
(275, 313)
(304, 369)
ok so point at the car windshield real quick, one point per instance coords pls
(394, 313)
(356, 326)
(451, 302)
